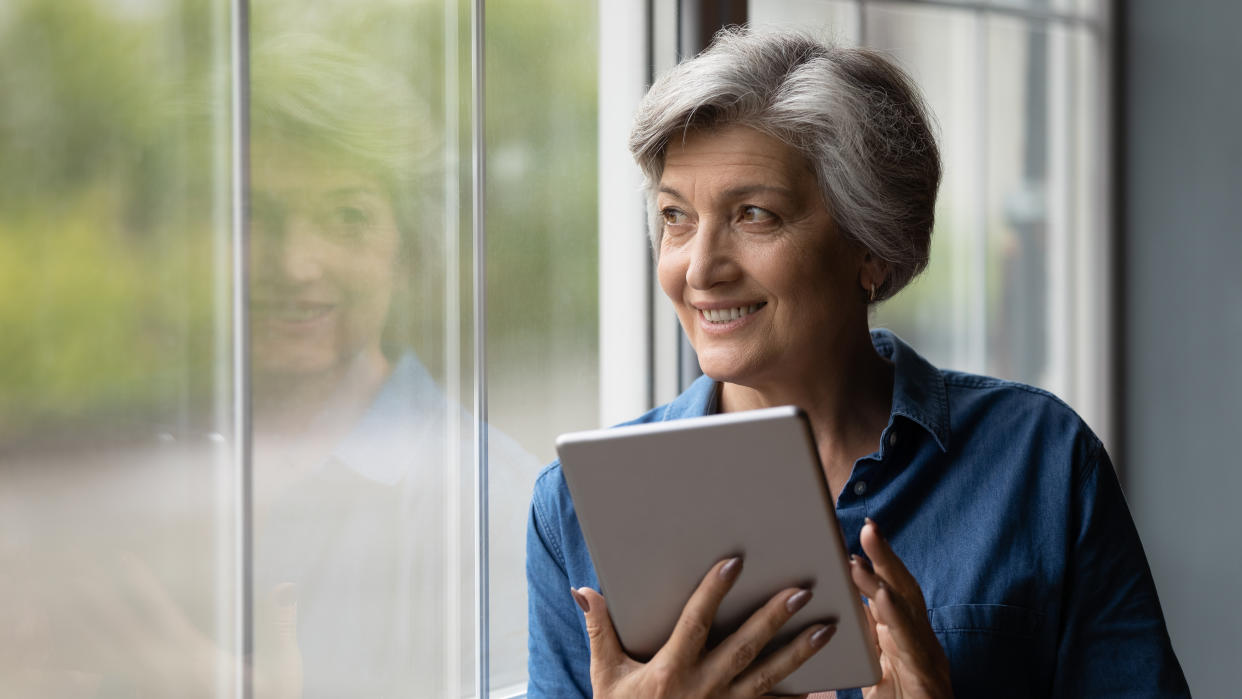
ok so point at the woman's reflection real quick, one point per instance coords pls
(363, 529)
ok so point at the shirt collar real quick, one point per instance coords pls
(403, 420)
(919, 393)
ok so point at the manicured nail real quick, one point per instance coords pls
(581, 600)
(874, 526)
(821, 636)
(798, 600)
(729, 571)
(285, 594)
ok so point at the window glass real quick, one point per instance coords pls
(941, 311)
(542, 277)
(834, 20)
(117, 537)
(1087, 8)
(122, 516)
(362, 428)
(1017, 283)
(1016, 196)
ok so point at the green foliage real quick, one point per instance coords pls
(108, 191)
(114, 189)
(541, 135)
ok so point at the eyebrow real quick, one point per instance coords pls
(351, 191)
(736, 192)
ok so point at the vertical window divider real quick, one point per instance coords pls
(452, 348)
(239, 37)
(976, 324)
(479, 253)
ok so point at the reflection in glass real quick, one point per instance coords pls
(542, 276)
(363, 465)
(348, 464)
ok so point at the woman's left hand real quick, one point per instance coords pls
(911, 659)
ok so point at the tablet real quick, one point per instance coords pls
(660, 503)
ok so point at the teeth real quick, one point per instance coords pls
(299, 314)
(292, 312)
(724, 315)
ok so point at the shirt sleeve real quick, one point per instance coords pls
(559, 660)
(1113, 640)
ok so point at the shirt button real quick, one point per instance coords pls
(892, 439)
(860, 488)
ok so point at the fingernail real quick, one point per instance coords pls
(285, 594)
(798, 600)
(729, 571)
(581, 600)
(874, 526)
(820, 637)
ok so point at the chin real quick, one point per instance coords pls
(727, 369)
(291, 363)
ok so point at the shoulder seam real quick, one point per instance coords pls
(1091, 463)
(955, 378)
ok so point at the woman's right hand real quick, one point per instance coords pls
(681, 668)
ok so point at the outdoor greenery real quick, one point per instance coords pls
(115, 193)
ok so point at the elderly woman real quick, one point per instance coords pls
(793, 186)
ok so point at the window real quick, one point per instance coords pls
(295, 302)
(250, 485)
(1019, 282)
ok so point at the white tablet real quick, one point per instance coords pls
(660, 503)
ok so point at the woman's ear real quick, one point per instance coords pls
(872, 275)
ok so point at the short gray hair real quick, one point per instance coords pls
(856, 117)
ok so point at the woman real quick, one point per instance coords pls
(793, 187)
(356, 478)
(357, 571)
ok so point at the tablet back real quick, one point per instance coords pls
(660, 503)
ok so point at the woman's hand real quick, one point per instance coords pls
(130, 629)
(682, 668)
(911, 658)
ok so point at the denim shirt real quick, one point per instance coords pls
(1002, 504)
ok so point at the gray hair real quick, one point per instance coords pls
(857, 118)
(312, 93)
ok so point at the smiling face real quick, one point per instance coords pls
(763, 284)
(324, 247)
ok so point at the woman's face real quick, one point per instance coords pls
(324, 248)
(762, 282)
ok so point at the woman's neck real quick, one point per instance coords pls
(290, 405)
(299, 420)
(847, 397)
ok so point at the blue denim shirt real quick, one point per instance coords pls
(1000, 501)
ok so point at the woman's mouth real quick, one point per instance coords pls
(292, 312)
(723, 316)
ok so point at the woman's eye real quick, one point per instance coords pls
(347, 222)
(674, 217)
(350, 216)
(754, 214)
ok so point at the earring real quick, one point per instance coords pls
(871, 299)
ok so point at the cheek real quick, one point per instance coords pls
(671, 272)
(370, 270)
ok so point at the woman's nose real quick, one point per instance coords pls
(711, 256)
(294, 253)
